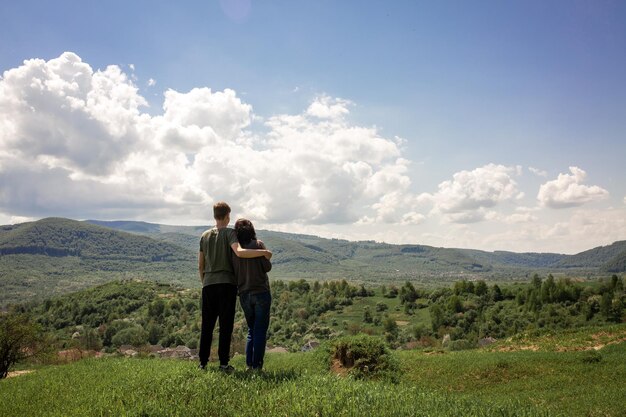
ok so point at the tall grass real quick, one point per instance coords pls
(144, 387)
(574, 383)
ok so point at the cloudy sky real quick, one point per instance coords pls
(490, 125)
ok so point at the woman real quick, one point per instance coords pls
(254, 293)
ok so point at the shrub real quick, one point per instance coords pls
(364, 357)
(460, 344)
(134, 336)
(592, 356)
(18, 341)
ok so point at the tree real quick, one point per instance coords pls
(391, 329)
(90, 340)
(409, 307)
(536, 281)
(18, 341)
(605, 304)
(154, 333)
(454, 304)
(367, 315)
(548, 290)
(616, 283)
(617, 311)
(134, 336)
(497, 293)
(481, 288)
(437, 316)
(380, 306)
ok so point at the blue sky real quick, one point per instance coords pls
(489, 88)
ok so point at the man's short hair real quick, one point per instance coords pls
(220, 210)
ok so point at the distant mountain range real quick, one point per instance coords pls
(56, 255)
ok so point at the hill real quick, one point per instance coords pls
(299, 254)
(59, 255)
(56, 255)
(608, 258)
(63, 237)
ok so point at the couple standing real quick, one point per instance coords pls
(231, 262)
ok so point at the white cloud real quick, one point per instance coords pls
(326, 107)
(465, 198)
(74, 142)
(151, 82)
(64, 110)
(538, 172)
(568, 191)
(520, 218)
(221, 112)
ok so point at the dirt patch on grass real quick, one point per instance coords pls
(337, 368)
(577, 342)
(596, 346)
(532, 348)
(18, 373)
(435, 352)
(401, 322)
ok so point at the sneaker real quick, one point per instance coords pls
(202, 367)
(227, 369)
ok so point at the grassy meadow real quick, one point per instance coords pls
(503, 380)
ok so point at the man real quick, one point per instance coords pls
(219, 285)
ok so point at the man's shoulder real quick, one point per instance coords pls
(229, 232)
(207, 232)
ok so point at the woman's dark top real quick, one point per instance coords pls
(251, 273)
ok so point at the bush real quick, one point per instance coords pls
(134, 336)
(592, 356)
(18, 341)
(364, 357)
(461, 344)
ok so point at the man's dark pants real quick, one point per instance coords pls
(218, 301)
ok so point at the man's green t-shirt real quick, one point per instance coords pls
(215, 244)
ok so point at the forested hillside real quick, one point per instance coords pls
(604, 257)
(56, 255)
(298, 253)
(64, 237)
(143, 312)
(60, 255)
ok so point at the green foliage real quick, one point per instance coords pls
(19, 339)
(460, 344)
(137, 313)
(365, 357)
(499, 313)
(133, 335)
(592, 356)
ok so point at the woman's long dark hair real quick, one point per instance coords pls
(245, 231)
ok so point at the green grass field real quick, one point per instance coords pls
(501, 381)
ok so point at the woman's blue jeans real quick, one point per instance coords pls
(256, 309)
